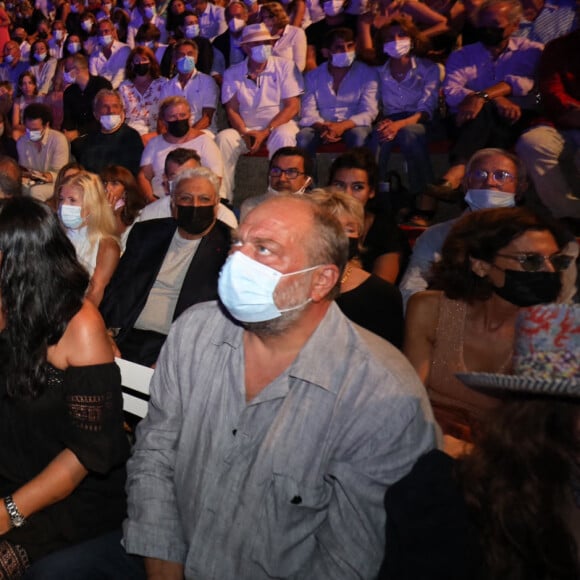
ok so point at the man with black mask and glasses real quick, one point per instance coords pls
(175, 115)
(169, 265)
(489, 88)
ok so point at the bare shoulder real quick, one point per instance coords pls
(85, 340)
(424, 305)
(109, 245)
(422, 314)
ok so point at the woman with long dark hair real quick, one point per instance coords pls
(63, 446)
(124, 197)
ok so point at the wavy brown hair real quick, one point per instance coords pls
(134, 201)
(154, 69)
(481, 235)
(515, 482)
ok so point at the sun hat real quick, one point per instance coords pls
(256, 33)
(546, 358)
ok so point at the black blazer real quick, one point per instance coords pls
(147, 245)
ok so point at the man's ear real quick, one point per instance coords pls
(325, 53)
(324, 280)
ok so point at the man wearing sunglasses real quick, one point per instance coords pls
(493, 178)
(290, 171)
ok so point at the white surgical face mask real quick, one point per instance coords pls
(110, 122)
(34, 135)
(70, 216)
(236, 24)
(397, 48)
(105, 40)
(69, 78)
(87, 25)
(333, 7)
(299, 191)
(246, 288)
(261, 53)
(74, 47)
(192, 31)
(342, 59)
(149, 12)
(488, 199)
(59, 34)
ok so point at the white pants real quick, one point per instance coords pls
(231, 146)
(549, 156)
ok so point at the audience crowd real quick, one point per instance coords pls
(310, 358)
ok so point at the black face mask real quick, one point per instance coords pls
(195, 219)
(490, 36)
(42, 34)
(530, 288)
(141, 69)
(352, 248)
(178, 128)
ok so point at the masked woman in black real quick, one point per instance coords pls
(493, 262)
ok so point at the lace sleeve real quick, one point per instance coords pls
(94, 429)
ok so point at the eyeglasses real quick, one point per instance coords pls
(532, 261)
(291, 173)
(499, 175)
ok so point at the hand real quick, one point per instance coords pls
(336, 128)
(329, 135)
(508, 110)
(469, 108)
(255, 139)
(388, 130)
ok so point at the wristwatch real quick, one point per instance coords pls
(482, 94)
(17, 520)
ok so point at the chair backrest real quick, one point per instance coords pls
(135, 381)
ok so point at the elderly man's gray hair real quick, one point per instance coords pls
(200, 172)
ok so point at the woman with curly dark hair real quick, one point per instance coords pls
(510, 509)
(124, 196)
(63, 449)
(492, 263)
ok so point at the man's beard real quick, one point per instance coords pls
(293, 296)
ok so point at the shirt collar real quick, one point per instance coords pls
(335, 334)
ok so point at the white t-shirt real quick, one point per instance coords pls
(261, 100)
(157, 149)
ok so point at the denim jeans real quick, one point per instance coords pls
(102, 558)
(413, 142)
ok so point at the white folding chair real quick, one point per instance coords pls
(135, 381)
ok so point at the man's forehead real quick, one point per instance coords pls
(287, 161)
(495, 162)
(281, 217)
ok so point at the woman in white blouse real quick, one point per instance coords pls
(42, 66)
(291, 43)
(141, 91)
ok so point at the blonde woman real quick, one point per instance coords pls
(91, 227)
(365, 298)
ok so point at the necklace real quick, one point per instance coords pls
(347, 273)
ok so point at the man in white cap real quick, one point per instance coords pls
(261, 96)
